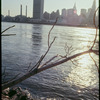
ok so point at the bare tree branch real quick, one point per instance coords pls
(35, 71)
(66, 59)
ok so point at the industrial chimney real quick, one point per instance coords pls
(26, 10)
(21, 10)
(8, 12)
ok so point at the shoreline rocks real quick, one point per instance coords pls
(16, 93)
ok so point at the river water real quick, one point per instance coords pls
(67, 81)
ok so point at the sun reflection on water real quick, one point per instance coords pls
(84, 75)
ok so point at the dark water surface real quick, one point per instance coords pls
(63, 82)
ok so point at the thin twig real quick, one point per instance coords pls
(7, 28)
(94, 17)
(4, 71)
(49, 46)
(7, 34)
(51, 30)
(73, 63)
(36, 65)
(68, 50)
(11, 79)
(42, 57)
(95, 27)
(94, 62)
(3, 74)
(29, 66)
(48, 61)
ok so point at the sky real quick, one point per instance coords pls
(49, 6)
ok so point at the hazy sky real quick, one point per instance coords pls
(49, 6)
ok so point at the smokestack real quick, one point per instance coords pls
(21, 10)
(26, 10)
(8, 12)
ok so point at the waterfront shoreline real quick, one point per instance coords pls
(52, 24)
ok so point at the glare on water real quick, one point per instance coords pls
(82, 74)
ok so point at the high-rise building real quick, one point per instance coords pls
(75, 10)
(8, 12)
(64, 13)
(72, 17)
(89, 10)
(94, 5)
(46, 15)
(83, 12)
(38, 7)
(70, 12)
(93, 8)
(92, 12)
(57, 13)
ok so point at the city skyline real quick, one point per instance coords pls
(49, 6)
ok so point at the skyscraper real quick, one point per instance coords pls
(83, 12)
(75, 10)
(91, 14)
(64, 13)
(93, 8)
(38, 6)
(8, 12)
(94, 5)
